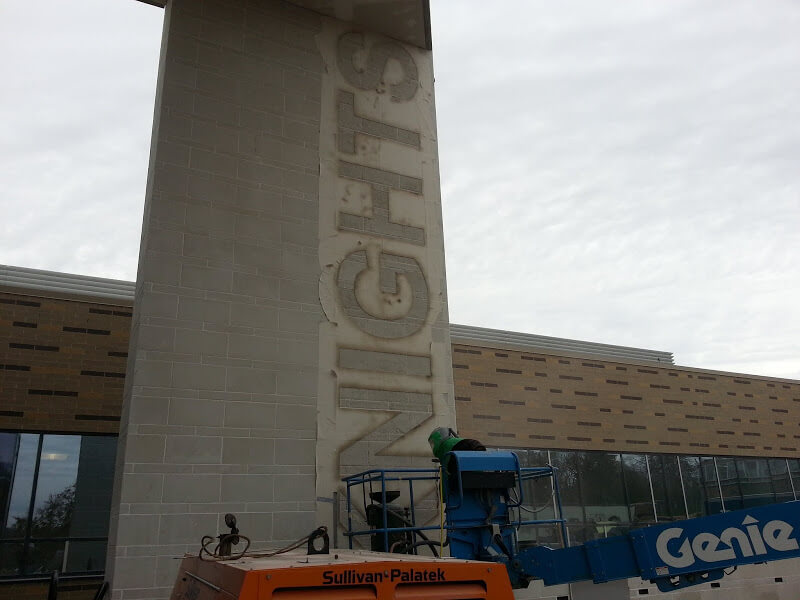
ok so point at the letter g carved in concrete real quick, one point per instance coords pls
(373, 72)
(384, 294)
(374, 301)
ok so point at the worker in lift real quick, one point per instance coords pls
(445, 439)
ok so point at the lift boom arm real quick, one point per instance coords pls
(673, 555)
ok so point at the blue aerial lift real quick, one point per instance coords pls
(483, 490)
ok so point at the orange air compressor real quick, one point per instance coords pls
(341, 575)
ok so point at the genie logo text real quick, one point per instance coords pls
(751, 539)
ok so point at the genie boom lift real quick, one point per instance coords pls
(481, 494)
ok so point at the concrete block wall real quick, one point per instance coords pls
(290, 319)
(220, 402)
(385, 371)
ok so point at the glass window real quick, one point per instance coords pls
(93, 486)
(794, 470)
(537, 504)
(12, 556)
(20, 499)
(755, 481)
(57, 494)
(55, 489)
(8, 452)
(43, 558)
(729, 482)
(85, 556)
(568, 474)
(710, 485)
(603, 494)
(536, 458)
(781, 479)
(637, 489)
(667, 487)
(693, 485)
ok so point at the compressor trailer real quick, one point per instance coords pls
(481, 493)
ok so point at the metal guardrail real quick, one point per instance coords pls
(373, 485)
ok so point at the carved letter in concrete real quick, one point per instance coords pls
(350, 123)
(372, 73)
(384, 294)
(385, 374)
(380, 224)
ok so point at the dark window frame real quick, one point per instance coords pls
(28, 540)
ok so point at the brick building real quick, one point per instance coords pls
(637, 438)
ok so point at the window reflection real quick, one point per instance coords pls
(538, 504)
(605, 494)
(711, 487)
(666, 478)
(794, 470)
(19, 503)
(729, 482)
(95, 480)
(8, 451)
(86, 556)
(755, 481)
(693, 485)
(781, 479)
(637, 486)
(55, 492)
(568, 465)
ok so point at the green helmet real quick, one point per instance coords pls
(438, 437)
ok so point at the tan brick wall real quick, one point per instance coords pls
(62, 364)
(70, 380)
(522, 399)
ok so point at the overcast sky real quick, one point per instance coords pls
(619, 172)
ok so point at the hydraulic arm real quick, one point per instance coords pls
(478, 491)
(673, 555)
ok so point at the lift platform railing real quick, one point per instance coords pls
(375, 485)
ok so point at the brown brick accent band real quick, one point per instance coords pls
(592, 404)
(63, 369)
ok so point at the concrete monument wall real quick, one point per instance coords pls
(291, 282)
(385, 368)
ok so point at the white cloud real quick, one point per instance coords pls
(617, 172)
(625, 173)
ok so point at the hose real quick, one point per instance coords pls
(214, 556)
(425, 541)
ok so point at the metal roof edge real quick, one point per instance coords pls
(68, 286)
(549, 345)
(99, 290)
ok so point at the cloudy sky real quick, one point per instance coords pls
(619, 172)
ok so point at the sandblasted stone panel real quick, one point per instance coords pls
(224, 334)
(384, 377)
